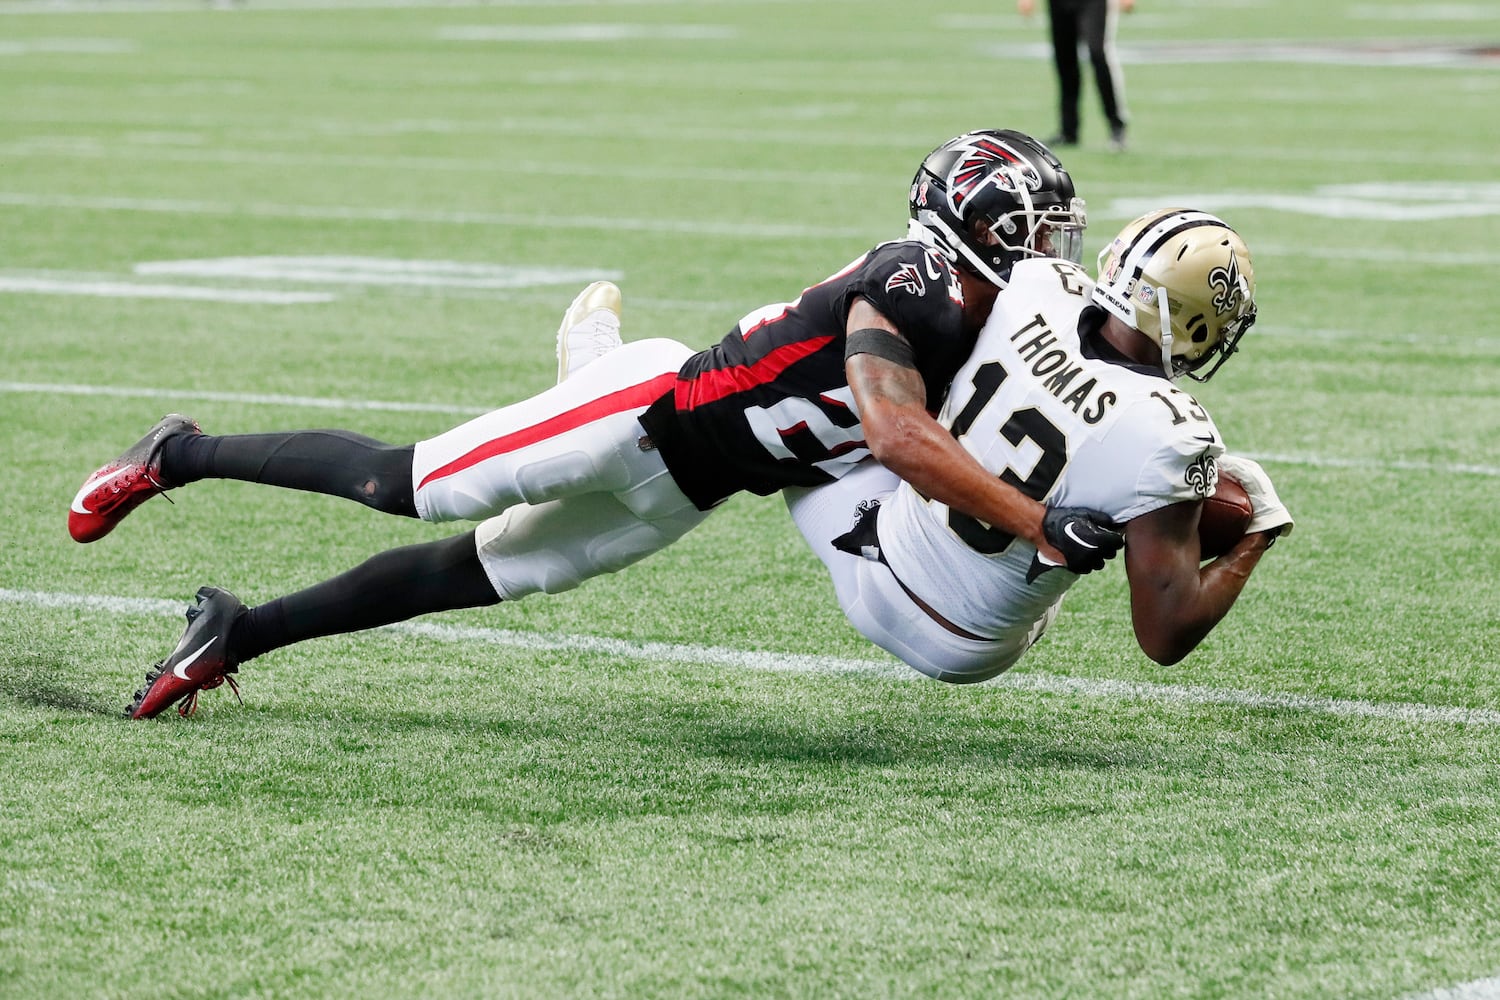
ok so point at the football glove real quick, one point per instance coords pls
(1268, 513)
(1086, 538)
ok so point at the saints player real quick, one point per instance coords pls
(621, 459)
(1070, 395)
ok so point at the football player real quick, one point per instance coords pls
(1072, 394)
(621, 459)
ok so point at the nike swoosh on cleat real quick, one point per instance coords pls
(181, 669)
(1068, 530)
(89, 487)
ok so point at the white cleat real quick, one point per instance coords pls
(590, 328)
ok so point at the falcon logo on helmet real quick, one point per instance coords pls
(990, 162)
(988, 199)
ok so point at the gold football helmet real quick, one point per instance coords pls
(1184, 279)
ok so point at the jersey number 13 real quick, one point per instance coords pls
(1026, 423)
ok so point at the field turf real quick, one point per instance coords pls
(693, 779)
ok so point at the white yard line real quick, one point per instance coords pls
(22, 7)
(69, 46)
(1479, 989)
(254, 398)
(1316, 205)
(286, 128)
(737, 659)
(1486, 11)
(132, 290)
(387, 272)
(74, 148)
(448, 278)
(1438, 54)
(1449, 341)
(1361, 202)
(592, 32)
(293, 130)
(1381, 464)
(390, 276)
(350, 213)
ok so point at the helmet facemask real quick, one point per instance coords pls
(1054, 231)
(988, 199)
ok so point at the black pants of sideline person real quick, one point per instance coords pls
(1091, 21)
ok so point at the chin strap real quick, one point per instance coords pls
(1164, 312)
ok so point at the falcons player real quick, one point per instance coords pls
(621, 459)
(1069, 395)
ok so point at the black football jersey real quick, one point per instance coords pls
(770, 405)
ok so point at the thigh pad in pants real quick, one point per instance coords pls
(581, 436)
(555, 546)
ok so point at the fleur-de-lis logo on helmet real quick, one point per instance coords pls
(1229, 287)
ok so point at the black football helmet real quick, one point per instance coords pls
(987, 199)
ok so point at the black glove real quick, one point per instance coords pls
(1086, 538)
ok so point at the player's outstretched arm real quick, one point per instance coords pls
(903, 435)
(1175, 602)
(905, 438)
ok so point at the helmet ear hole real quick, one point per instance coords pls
(1197, 329)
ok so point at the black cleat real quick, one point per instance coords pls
(200, 662)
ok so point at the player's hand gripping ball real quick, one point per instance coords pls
(1226, 515)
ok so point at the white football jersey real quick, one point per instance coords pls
(1063, 426)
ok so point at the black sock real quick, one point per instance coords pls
(337, 463)
(393, 586)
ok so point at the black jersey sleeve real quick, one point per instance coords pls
(770, 405)
(917, 290)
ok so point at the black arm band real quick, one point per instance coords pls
(883, 344)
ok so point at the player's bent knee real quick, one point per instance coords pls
(518, 570)
(556, 546)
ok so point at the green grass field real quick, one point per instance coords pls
(693, 779)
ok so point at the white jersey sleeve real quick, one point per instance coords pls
(1146, 462)
(1063, 425)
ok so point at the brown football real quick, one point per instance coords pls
(1225, 517)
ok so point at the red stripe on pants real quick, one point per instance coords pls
(633, 397)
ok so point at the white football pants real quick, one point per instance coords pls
(561, 481)
(873, 599)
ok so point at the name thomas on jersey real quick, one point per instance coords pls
(1057, 413)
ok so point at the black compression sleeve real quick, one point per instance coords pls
(883, 344)
(391, 587)
(338, 463)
